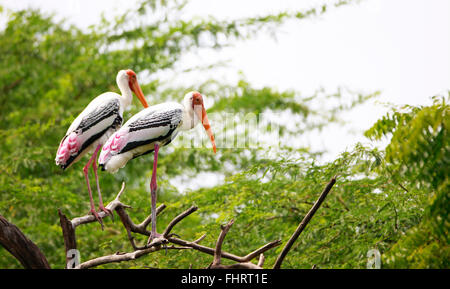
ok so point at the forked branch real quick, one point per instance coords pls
(243, 263)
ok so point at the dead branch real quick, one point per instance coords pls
(245, 262)
(218, 251)
(168, 241)
(226, 255)
(303, 224)
(195, 244)
(31, 257)
(68, 226)
(130, 226)
(22, 248)
(120, 257)
(261, 260)
(70, 242)
(178, 219)
(112, 206)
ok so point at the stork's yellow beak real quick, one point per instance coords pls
(202, 115)
(134, 85)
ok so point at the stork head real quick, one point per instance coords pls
(194, 100)
(129, 77)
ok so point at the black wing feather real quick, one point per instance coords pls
(157, 119)
(170, 118)
(104, 111)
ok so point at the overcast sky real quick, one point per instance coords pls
(400, 47)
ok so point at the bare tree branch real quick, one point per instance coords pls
(167, 238)
(303, 224)
(244, 263)
(226, 255)
(218, 251)
(148, 220)
(200, 239)
(31, 257)
(261, 260)
(160, 243)
(178, 219)
(120, 257)
(91, 218)
(68, 231)
(131, 227)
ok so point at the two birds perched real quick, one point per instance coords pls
(99, 127)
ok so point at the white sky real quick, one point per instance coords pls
(400, 47)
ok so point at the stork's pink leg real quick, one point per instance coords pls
(153, 187)
(86, 170)
(95, 168)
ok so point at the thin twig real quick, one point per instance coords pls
(199, 239)
(401, 186)
(341, 200)
(111, 206)
(244, 263)
(178, 219)
(148, 220)
(303, 224)
(69, 236)
(210, 251)
(131, 227)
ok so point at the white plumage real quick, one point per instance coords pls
(156, 124)
(149, 129)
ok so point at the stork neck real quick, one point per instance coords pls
(126, 96)
(189, 118)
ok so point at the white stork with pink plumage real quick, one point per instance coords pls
(149, 129)
(94, 125)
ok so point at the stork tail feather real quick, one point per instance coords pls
(68, 147)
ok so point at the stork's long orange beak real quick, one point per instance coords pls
(207, 126)
(138, 91)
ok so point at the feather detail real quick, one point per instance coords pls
(69, 146)
(156, 124)
(113, 145)
(93, 125)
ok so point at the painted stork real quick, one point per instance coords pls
(94, 125)
(150, 129)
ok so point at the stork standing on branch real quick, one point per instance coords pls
(149, 129)
(94, 125)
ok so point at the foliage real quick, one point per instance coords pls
(49, 72)
(419, 151)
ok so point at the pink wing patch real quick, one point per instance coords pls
(68, 147)
(113, 146)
